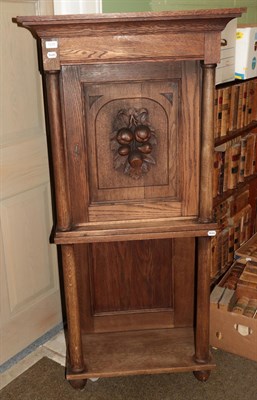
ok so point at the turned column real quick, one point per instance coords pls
(202, 354)
(63, 224)
(57, 150)
(72, 309)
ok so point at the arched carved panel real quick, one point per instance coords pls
(133, 151)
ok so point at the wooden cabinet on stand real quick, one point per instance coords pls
(130, 102)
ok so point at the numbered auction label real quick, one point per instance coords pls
(51, 44)
(51, 54)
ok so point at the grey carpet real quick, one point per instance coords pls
(235, 378)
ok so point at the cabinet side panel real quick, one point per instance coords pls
(190, 136)
(75, 145)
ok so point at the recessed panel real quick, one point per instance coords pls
(132, 276)
(132, 133)
(137, 136)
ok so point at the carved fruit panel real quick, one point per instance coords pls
(132, 140)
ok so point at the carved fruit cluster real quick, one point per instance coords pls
(132, 141)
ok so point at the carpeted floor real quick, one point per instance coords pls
(235, 378)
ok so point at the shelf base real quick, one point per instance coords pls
(134, 230)
(139, 353)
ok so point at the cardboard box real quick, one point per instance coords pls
(246, 53)
(230, 331)
(225, 71)
(234, 333)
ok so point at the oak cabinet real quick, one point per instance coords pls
(130, 103)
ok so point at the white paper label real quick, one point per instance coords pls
(51, 54)
(51, 44)
(211, 233)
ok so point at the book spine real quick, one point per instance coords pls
(216, 133)
(226, 169)
(221, 172)
(243, 111)
(231, 244)
(240, 201)
(233, 165)
(254, 100)
(225, 111)
(232, 108)
(219, 111)
(241, 176)
(240, 105)
(235, 108)
(249, 155)
(250, 102)
(247, 103)
(216, 173)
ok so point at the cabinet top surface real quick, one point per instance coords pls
(71, 25)
(132, 17)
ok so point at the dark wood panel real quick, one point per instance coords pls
(106, 72)
(132, 321)
(75, 144)
(183, 261)
(189, 135)
(131, 276)
(135, 47)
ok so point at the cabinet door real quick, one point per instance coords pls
(30, 299)
(132, 135)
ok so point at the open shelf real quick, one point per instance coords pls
(237, 132)
(224, 196)
(134, 230)
(139, 352)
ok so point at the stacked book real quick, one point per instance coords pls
(234, 161)
(237, 292)
(235, 107)
(233, 216)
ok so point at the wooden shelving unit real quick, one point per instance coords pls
(239, 106)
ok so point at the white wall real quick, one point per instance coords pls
(77, 6)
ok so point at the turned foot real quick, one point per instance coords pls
(202, 375)
(78, 384)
